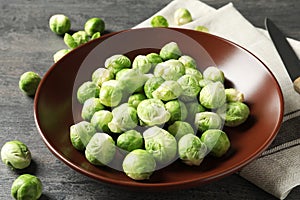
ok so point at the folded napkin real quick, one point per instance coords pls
(277, 169)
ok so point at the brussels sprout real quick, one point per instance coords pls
(59, 54)
(170, 51)
(111, 93)
(101, 119)
(124, 118)
(131, 79)
(180, 128)
(153, 112)
(135, 99)
(208, 120)
(182, 16)
(193, 108)
(167, 91)
(202, 29)
(80, 134)
(59, 24)
(214, 74)
(117, 62)
(194, 72)
(130, 140)
(188, 61)
(154, 59)
(91, 106)
(191, 149)
(101, 149)
(15, 154)
(27, 186)
(177, 109)
(204, 82)
(101, 75)
(94, 25)
(169, 70)
(151, 85)
(77, 39)
(233, 94)
(159, 21)
(161, 144)
(139, 164)
(86, 91)
(141, 63)
(190, 87)
(213, 95)
(236, 113)
(96, 35)
(216, 141)
(29, 82)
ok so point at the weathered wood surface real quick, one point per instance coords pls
(26, 43)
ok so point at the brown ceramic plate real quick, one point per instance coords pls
(56, 107)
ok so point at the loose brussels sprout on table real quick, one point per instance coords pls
(27, 187)
(179, 110)
(182, 16)
(94, 25)
(15, 154)
(159, 21)
(59, 54)
(59, 24)
(202, 29)
(77, 39)
(29, 82)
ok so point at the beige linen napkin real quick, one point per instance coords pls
(277, 169)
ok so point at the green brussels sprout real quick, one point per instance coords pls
(80, 134)
(117, 62)
(101, 149)
(182, 16)
(96, 35)
(213, 95)
(193, 108)
(167, 91)
(177, 109)
(86, 91)
(161, 144)
(94, 25)
(69, 41)
(29, 82)
(101, 119)
(170, 51)
(141, 63)
(135, 99)
(151, 85)
(153, 112)
(169, 70)
(191, 149)
(131, 79)
(208, 120)
(111, 93)
(27, 186)
(159, 21)
(190, 87)
(91, 106)
(233, 94)
(59, 24)
(124, 118)
(77, 39)
(202, 29)
(59, 54)
(188, 61)
(101, 75)
(194, 72)
(139, 164)
(214, 74)
(204, 82)
(15, 154)
(130, 140)
(180, 128)
(154, 59)
(236, 113)
(216, 141)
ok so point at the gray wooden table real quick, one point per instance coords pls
(27, 44)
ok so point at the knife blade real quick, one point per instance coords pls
(286, 53)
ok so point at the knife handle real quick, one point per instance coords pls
(297, 85)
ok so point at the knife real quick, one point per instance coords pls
(286, 52)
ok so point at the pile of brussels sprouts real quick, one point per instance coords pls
(153, 110)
